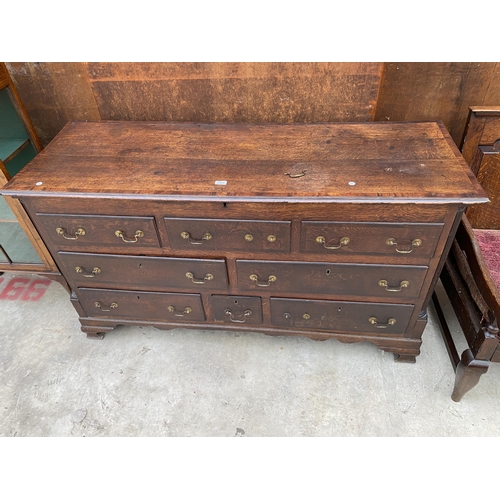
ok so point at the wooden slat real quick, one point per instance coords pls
(236, 92)
(437, 91)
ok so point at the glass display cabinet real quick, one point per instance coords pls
(21, 248)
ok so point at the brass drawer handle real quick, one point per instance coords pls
(294, 176)
(95, 271)
(138, 234)
(187, 310)
(390, 322)
(79, 232)
(255, 278)
(415, 243)
(187, 236)
(113, 305)
(207, 277)
(245, 315)
(322, 241)
(384, 284)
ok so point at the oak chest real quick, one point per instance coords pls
(322, 230)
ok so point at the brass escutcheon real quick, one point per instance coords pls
(322, 241)
(415, 243)
(95, 271)
(287, 315)
(384, 284)
(271, 238)
(270, 280)
(187, 236)
(306, 316)
(207, 277)
(79, 232)
(187, 310)
(231, 317)
(113, 305)
(373, 321)
(248, 237)
(138, 234)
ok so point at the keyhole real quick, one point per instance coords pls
(140, 265)
(235, 301)
(224, 205)
(328, 272)
(138, 298)
(340, 309)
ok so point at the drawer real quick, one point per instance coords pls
(341, 316)
(418, 240)
(99, 231)
(319, 277)
(98, 270)
(235, 235)
(236, 309)
(142, 305)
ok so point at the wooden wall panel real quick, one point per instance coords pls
(236, 92)
(437, 91)
(53, 94)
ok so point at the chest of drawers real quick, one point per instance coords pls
(322, 230)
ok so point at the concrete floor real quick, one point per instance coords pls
(140, 381)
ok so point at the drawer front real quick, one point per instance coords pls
(236, 309)
(99, 231)
(141, 305)
(417, 240)
(97, 270)
(236, 235)
(318, 277)
(341, 316)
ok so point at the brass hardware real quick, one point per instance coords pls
(271, 238)
(390, 322)
(248, 237)
(138, 234)
(403, 284)
(187, 236)
(294, 176)
(255, 278)
(322, 241)
(415, 243)
(207, 277)
(286, 315)
(95, 271)
(79, 232)
(113, 305)
(245, 315)
(306, 316)
(187, 310)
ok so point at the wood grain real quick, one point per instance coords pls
(53, 94)
(379, 162)
(437, 91)
(236, 92)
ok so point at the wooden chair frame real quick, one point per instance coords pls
(465, 275)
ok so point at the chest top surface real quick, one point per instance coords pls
(379, 162)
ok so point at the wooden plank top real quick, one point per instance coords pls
(380, 162)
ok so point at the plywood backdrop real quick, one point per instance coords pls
(54, 93)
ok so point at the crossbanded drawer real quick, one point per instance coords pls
(325, 278)
(134, 272)
(236, 309)
(340, 316)
(224, 234)
(99, 231)
(360, 238)
(141, 305)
